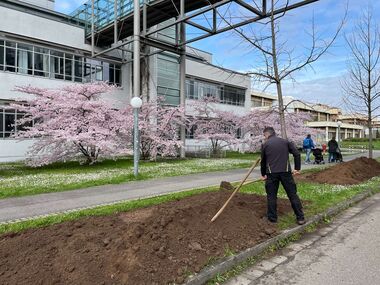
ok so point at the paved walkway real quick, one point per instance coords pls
(21, 208)
(345, 252)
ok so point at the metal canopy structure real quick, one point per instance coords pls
(110, 22)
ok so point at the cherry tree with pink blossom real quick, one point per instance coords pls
(72, 123)
(218, 127)
(159, 129)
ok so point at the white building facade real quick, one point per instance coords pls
(43, 48)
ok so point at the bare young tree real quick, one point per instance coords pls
(279, 61)
(362, 84)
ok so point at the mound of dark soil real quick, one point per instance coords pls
(155, 245)
(347, 173)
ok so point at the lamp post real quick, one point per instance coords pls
(339, 123)
(136, 101)
(136, 104)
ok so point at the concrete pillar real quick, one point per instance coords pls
(345, 133)
(327, 134)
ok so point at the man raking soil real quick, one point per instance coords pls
(275, 168)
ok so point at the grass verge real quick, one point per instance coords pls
(16, 179)
(319, 197)
(361, 144)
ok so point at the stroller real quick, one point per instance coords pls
(318, 156)
(338, 155)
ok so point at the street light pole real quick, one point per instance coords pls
(136, 101)
(339, 123)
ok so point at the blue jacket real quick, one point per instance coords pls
(308, 143)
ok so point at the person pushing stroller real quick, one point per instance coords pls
(335, 154)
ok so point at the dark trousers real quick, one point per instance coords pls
(271, 186)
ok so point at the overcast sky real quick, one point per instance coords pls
(321, 83)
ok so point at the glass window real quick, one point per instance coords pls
(78, 69)
(9, 119)
(106, 71)
(118, 75)
(29, 59)
(56, 67)
(10, 44)
(24, 61)
(10, 59)
(2, 57)
(1, 123)
(41, 64)
(168, 78)
(112, 74)
(191, 90)
(99, 73)
(256, 102)
(68, 67)
(87, 72)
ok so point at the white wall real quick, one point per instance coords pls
(24, 24)
(12, 150)
(47, 4)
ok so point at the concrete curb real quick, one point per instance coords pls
(229, 262)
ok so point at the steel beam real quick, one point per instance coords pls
(182, 73)
(199, 26)
(115, 38)
(144, 19)
(92, 28)
(249, 7)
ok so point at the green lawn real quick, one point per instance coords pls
(360, 144)
(16, 179)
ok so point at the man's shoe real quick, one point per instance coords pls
(301, 222)
(272, 221)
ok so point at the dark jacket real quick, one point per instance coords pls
(275, 156)
(333, 146)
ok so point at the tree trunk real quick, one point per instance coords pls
(370, 139)
(281, 109)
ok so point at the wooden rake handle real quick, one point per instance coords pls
(236, 190)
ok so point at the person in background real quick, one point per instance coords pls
(275, 168)
(333, 147)
(308, 145)
(324, 148)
